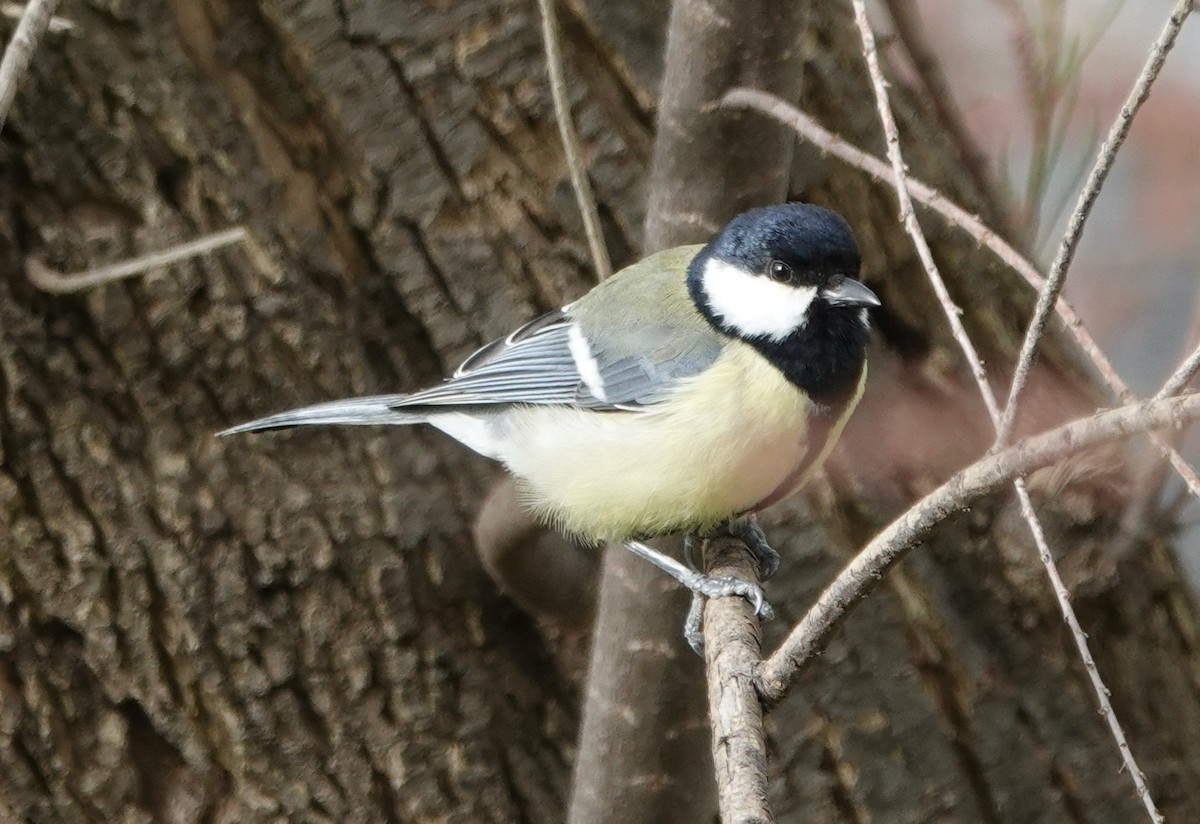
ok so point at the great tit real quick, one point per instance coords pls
(682, 395)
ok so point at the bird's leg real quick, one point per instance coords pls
(693, 632)
(747, 530)
(691, 552)
(702, 586)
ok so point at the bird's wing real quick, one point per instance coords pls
(550, 361)
(532, 365)
(607, 351)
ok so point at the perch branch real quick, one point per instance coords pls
(732, 652)
(57, 25)
(908, 217)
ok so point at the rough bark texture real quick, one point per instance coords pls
(295, 627)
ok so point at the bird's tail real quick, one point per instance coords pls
(379, 409)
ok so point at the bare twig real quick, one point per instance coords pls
(828, 142)
(49, 280)
(1085, 655)
(1181, 377)
(57, 25)
(908, 214)
(1144, 494)
(732, 652)
(570, 141)
(908, 217)
(34, 22)
(1083, 207)
(968, 485)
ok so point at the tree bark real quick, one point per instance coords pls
(295, 627)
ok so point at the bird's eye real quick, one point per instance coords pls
(779, 271)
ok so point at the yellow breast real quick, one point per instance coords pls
(724, 443)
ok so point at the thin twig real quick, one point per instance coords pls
(57, 25)
(570, 140)
(34, 22)
(1143, 499)
(1182, 376)
(1085, 655)
(836, 146)
(984, 476)
(908, 217)
(1083, 208)
(49, 280)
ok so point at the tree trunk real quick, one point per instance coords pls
(296, 627)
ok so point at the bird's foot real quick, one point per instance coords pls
(747, 530)
(750, 533)
(702, 586)
(719, 586)
(722, 586)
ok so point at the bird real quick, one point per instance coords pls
(684, 394)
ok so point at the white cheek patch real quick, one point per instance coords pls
(585, 362)
(755, 305)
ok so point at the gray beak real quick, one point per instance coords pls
(849, 292)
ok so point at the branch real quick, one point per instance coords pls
(547, 576)
(58, 25)
(34, 22)
(1182, 376)
(570, 142)
(732, 652)
(908, 216)
(55, 282)
(1083, 208)
(986, 475)
(830, 143)
(1147, 486)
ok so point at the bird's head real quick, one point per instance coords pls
(772, 271)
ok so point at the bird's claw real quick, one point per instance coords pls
(719, 586)
(702, 586)
(751, 534)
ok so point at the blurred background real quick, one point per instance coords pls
(1038, 83)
